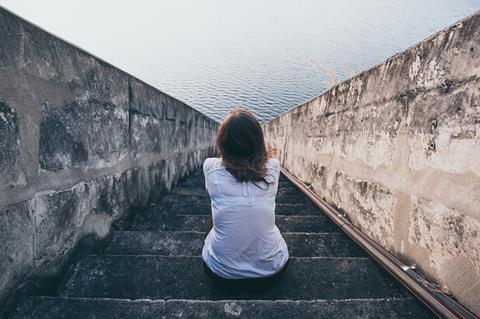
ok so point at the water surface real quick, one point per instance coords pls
(265, 55)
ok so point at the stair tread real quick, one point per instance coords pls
(160, 277)
(153, 270)
(286, 223)
(85, 308)
(171, 243)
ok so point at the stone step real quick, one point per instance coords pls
(159, 277)
(289, 190)
(191, 243)
(205, 199)
(150, 221)
(186, 208)
(85, 308)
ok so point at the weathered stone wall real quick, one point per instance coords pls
(398, 148)
(81, 142)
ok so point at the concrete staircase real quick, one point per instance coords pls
(153, 269)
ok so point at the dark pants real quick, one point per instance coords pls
(244, 285)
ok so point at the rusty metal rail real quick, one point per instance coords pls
(436, 300)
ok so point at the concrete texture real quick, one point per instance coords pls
(191, 243)
(84, 308)
(10, 171)
(16, 243)
(159, 277)
(397, 148)
(82, 134)
(82, 142)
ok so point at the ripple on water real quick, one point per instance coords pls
(270, 56)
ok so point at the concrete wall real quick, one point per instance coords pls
(81, 142)
(398, 148)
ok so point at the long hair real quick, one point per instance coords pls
(241, 146)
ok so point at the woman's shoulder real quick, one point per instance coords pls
(273, 163)
(211, 163)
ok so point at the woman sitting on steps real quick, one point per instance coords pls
(243, 245)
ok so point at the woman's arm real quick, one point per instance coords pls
(210, 221)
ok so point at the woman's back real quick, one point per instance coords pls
(244, 241)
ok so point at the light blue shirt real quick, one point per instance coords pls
(244, 241)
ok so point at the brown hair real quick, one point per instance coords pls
(241, 145)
